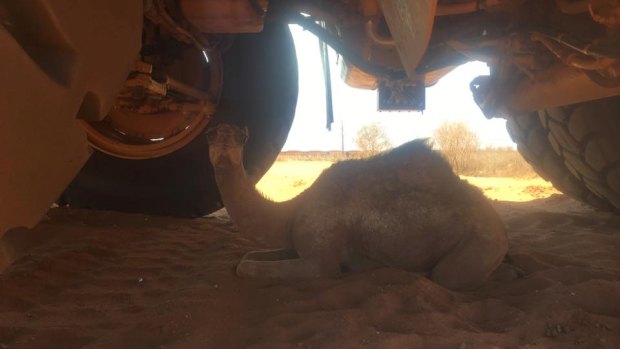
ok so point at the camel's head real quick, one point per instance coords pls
(226, 145)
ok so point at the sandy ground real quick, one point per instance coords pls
(87, 279)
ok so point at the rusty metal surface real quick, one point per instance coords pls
(572, 7)
(373, 34)
(217, 16)
(411, 24)
(559, 86)
(458, 8)
(61, 60)
(354, 77)
(151, 118)
(606, 13)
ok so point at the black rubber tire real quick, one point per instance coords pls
(260, 92)
(587, 137)
(533, 143)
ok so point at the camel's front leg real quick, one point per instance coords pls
(281, 264)
(271, 255)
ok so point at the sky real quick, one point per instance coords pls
(449, 100)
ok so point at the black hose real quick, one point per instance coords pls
(329, 104)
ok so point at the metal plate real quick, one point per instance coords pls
(401, 95)
(411, 25)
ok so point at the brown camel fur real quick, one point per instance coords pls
(404, 208)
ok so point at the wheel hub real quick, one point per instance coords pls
(160, 111)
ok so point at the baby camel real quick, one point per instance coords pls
(404, 208)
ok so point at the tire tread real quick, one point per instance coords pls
(587, 136)
(542, 152)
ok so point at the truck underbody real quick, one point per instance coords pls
(139, 82)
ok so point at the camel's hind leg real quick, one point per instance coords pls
(278, 264)
(469, 264)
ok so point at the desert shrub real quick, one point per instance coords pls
(457, 143)
(499, 162)
(333, 156)
(371, 139)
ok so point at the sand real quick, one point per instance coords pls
(88, 279)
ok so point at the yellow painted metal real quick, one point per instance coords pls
(558, 86)
(61, 60)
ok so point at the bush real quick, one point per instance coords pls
(458, 144)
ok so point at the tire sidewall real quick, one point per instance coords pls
(259, 91)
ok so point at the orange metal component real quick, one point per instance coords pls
(161, 134)
(61, 60)
(354, 77)
(150, 127)
(411, 25)
(572, 7)
(145, 133)
(369, 8)
(608, 66)
(607, 15)
(457, 9)
(561, 85)
(230, 16)
(465, 7)
(376, 37)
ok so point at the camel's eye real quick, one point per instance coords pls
(211, 134)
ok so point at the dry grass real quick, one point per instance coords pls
(286, 179)
(501, 174)
(329, 156)
(492, 162)
(499, 162)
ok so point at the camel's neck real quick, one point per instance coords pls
(256, 217)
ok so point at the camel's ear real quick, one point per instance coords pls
(246, 134)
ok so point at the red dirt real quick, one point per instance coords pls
(85, 279)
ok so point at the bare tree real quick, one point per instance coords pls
(458, 143)
(371, 139)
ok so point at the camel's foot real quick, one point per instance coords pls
(469, 264)
(271, 255)
(506, 272)
(278, 264)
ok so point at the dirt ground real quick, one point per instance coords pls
(87, 279)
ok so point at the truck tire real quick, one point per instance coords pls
(533, 142)
(587, 137)
(259, 91)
